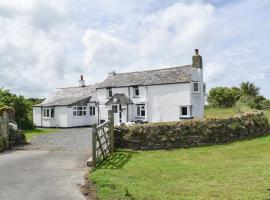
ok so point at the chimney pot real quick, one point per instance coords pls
(81, 82)
(197, 51)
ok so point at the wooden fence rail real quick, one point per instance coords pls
(102, 141)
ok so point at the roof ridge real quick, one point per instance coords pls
(168, 68)
(77, 86)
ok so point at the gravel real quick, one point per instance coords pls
(74, 139)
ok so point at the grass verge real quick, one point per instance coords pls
(30, 133)
(239, 170)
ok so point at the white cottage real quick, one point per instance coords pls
(168, 94)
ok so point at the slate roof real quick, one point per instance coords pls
(119, 99)
(151, 77)
(69, 96)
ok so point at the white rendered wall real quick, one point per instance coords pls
(164, 101)
(37, 116)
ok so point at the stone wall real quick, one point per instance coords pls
(190, 133)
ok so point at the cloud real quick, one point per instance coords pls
(48, 44)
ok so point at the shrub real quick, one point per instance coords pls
(223, 97)
(165, 135)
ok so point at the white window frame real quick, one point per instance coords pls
(136, 88)
(92, 110)
(47, 112)
(189, 112)
(109, 92)
(76, 111)
(193, 87)
(141, 108)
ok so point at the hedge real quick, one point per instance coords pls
(190, 133)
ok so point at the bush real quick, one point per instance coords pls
(165, 135)
(254, 102)
(223, 97)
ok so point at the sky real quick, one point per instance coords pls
(47, 44)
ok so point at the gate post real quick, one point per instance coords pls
(5, 127)
(94, 143)
(111, 130)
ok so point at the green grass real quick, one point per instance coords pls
(219, 112)
(239, 170)
(30, 133)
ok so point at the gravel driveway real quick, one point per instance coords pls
(74, 139)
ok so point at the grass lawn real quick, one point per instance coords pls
(30, 133)
(239, 170)
(219, 112)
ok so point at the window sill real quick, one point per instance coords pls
(186, 117)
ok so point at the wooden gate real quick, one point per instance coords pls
(102, 141)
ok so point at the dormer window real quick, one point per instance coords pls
(109, 92)
(196, 87)
(136, 91)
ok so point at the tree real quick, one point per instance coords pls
(223, 96)
(249, 89)
(22, 107)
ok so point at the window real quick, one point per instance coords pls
(204, 88)
(141, 110)
(92, 110)
(114, 108)
(52, 112)
(136, 91)
(79, 111)
(109, 92)
(48, 112)
(195, 87)
(185, 111)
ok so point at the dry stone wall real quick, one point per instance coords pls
(190, 133)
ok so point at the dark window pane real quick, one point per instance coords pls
(196, 87)
(52, 112)
(142, 113)
(184, 111)
(138, 111)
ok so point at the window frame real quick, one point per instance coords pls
(92, 110)
(204, 88)
(115, 110)
(140, 108)
(75, 111)
(136, 88)
(189, 112)
(193, 87)
(47, 113)
(109, 92)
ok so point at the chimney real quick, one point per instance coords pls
(197, 60)
(113, 73)
(82, 82)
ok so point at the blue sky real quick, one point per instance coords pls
(45, 44)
